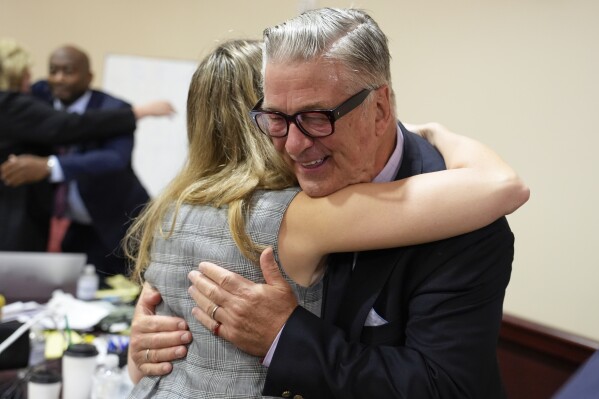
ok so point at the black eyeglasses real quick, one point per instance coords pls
(313, 123)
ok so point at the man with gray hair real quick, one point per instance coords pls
(413, 322)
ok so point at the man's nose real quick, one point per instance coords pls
(297, 141)
(58, 76)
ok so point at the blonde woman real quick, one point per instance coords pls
(235, 196)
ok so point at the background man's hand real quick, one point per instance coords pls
(164, 336)
(251, 315)
(23, 169)
(153, 108)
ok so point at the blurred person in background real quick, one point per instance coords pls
(102, 191)
(30, 126)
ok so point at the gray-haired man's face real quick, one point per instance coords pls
(322, 165)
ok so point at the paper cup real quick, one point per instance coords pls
(44, 384)
(78, 367)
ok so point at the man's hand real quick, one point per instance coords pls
(23, 169)
(164, 336)
(250, 315)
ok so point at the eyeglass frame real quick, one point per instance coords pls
(333, 114)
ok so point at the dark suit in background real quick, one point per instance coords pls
(30, 126)
(25, 210)
(443, 304)
(108, 186)
(23, 119)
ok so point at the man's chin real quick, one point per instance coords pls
(62, 95)
(318, 189)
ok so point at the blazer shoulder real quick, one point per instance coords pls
(496, 234)
(102, 100)
(41, 90)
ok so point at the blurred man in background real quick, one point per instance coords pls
(97, 192)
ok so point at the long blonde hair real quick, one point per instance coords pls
(14, 63)
(228, 158)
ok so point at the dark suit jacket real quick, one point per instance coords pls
(108, 186)
(31, 126)
(23, 119)
(443, 303)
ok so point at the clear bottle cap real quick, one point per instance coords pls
(89, 269)
(111, 360)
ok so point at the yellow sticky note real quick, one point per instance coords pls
(56, 343)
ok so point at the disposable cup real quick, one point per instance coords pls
(78, 367)
(44, 384)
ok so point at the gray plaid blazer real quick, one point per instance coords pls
(213, 367)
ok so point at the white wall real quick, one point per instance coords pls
(160, 143)
(518, 75)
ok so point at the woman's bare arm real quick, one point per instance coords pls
(478, 188)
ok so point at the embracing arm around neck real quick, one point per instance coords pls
(477, 188)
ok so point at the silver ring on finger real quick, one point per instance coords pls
(214, 309)
(148, 355)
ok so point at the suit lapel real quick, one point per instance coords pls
(95, 101)
(374, 267)
(335, 283)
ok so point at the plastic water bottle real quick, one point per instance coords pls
(106, 382)
(37, 352)
(88, 283)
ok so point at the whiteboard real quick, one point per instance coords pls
(160, 143)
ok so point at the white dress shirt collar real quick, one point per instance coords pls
(78, 107)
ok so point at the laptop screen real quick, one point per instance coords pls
(33, 276)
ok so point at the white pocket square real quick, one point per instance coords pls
(374, 319)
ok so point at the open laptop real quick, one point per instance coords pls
(33, 276)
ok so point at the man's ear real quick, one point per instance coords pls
(384, 116)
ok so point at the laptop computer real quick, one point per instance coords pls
(33, 276)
